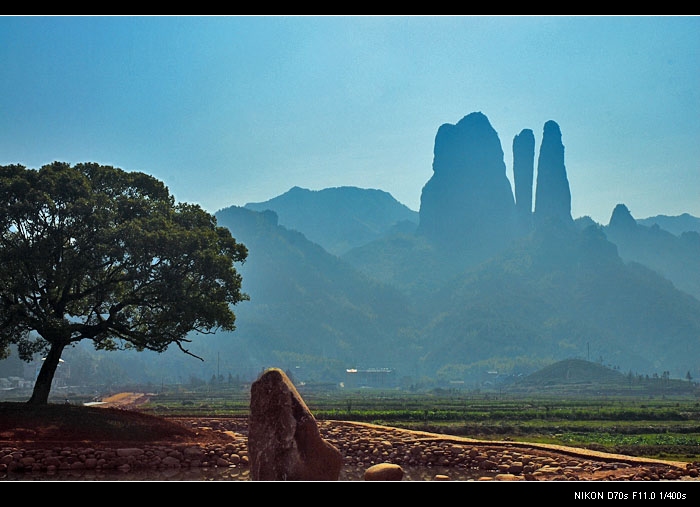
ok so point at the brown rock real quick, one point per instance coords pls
(284, 443)
(507, 477)
(384, 472)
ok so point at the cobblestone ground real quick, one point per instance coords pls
(222, 455)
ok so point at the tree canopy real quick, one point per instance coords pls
(98, 253)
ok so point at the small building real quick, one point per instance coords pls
(370, 377)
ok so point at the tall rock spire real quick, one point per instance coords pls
(552, 196)
(467, 205)
(523, 176)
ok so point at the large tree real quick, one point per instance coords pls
(92, 252)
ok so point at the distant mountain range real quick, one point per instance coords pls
(340, 219)
(480, 279)
(674, 224)
(399, 302)
(478, 284)
(676, 256)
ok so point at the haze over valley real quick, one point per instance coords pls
(487, 277)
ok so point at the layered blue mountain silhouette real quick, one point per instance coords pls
(484, 277)
(340, 218)
(492, 279)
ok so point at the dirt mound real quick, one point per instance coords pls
(59, 422)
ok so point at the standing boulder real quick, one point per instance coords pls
(284, 443)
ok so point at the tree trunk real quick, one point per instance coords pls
(42, 385)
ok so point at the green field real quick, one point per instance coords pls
(664, 426)
(573, 402)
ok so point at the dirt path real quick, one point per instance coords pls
(123, 400)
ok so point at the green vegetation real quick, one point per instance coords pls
(665, 427)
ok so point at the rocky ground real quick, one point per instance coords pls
(132, 442)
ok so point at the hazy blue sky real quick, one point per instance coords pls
(231, 110)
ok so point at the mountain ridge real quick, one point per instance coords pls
(420, 266)
(359, 215)
(361, 281)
